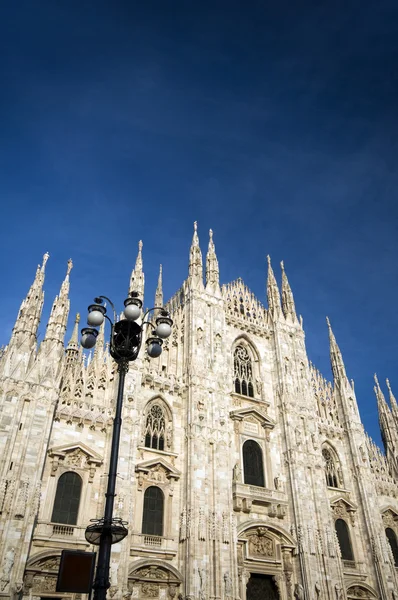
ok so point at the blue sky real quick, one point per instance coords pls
(273, 123)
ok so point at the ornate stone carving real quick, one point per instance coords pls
(183, 525)
(225, 528)
(388, 519)
(201, 525)
(49, 564)
(22, 499)
(260, 544)
(46, 583)
(150, 590)
(76, 458)
(342, 511)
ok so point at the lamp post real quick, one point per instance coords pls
(125, 344)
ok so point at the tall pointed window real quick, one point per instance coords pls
(155, 428)
(343, 535)
(152, 518)
(332, 470)
(243, 372)
(67, 499)
(392, 539)
(253, 464)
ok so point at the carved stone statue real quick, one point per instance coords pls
(299, 591)
(7, 565)
(228, 585)
(339, 592)
(236, 474)
(202, 583)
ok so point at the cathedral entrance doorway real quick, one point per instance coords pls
(261, 587)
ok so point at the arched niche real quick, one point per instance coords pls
(148, 577)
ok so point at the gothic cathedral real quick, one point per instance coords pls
(243, 473)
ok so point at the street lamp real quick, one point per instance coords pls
(125, 344)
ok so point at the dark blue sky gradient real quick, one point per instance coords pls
(273, 123)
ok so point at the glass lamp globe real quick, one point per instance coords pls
(89, 337)
(96, 314)
(132, 308)
(154, 347)
(95, 318)
(163, 329)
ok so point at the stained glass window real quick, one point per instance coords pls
(253, 463)
(67, 499)
(343, 536)
(152, 518)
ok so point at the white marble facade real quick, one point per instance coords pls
(233, 376)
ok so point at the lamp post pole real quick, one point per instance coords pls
(125, 344)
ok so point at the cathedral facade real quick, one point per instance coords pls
(243, 473)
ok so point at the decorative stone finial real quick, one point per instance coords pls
(70, 266)
(195, 225)
(46, 256)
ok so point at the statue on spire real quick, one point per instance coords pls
(195, 277)
(288, 306)
(159, 289)
(58, 320)
(212, 270)
(336, 358)
(46, 256)
(273, 296)
(137, 279)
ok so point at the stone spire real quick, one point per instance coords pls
(72, 349)
(386, 421)
(159, 289)
(273, 296)
(393, 402)
(57, 322)
(195, 277)
(336, 359)
(137, 279)
(24, 334)
(212, 270)
(99, 344)
(288, 306)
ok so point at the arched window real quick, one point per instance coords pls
(343, 535)
(392, 539)
(332, 471)
(152, 518)
(243, 372)
(155, 428)
(253, 463)
(67, 499)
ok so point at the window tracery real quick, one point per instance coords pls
(243, 372)
(157, 433)
(332, 469)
